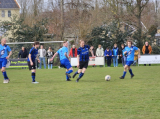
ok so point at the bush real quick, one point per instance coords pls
(155, 50)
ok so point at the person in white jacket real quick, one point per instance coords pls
(100, 52)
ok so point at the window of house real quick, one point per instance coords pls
(3, 13)
(9, 13)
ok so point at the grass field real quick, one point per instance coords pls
(91, 98)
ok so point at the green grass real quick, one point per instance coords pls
(91, 98)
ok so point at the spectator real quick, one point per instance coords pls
(23, 53)
(92, 48)
(90, 54)
(115, 54)
(73, 51)
(147, 49)
(108, 54)
(42, 54)
(50, 54)
(121, 53)
(135, 58)
(100, 52)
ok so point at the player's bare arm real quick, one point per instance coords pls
(38, 59)
(53, 56)
(30, 59)
(10, 53)
(125, 52)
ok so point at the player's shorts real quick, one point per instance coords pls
(83, 64)
(3, 62)
(31, 67)
(65, 63)
(128, 63)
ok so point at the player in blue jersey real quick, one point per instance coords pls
(82, 59)
(64, 60)
(4, 49)
(31, 61)
(129, 53)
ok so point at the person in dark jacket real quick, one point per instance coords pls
(49, 55)
(108, 55)
(23, 53)
(115, 54)
(123, 57)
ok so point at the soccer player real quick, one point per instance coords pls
(31, 61)
(82, 59)
(64, 60)
(4, 49)
(129, 52)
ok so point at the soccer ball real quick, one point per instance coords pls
(108, 78)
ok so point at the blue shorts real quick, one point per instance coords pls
(128, 63)
(65, 63)
(3, 62)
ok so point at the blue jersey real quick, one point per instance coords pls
(115, 51)
(130, 52)
(83, 53)
(62, 52)
(33, 53)
(4, 51)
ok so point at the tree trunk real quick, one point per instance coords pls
(156, 18)
(139, 25)
(62, 20)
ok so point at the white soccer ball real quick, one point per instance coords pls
(108, 78)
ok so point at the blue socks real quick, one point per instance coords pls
(81, 75)
(5, 75)
(67, 77)
(33, 76)
(70, 71)
(130, 71)
(124, 74)
(76, 73)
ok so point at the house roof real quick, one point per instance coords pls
(10, 4)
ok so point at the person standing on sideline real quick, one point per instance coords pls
(82, 59)
(33, 54)
(135, 58)
(129, 52)
(123, 57)
(108, 55)
(73, 51)
(50, 54)
(100, 52)
(4, 49)
(23, 53)
(42, 54)
(147, 50)
(115, 54)
(64, 60)
(90, 54)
